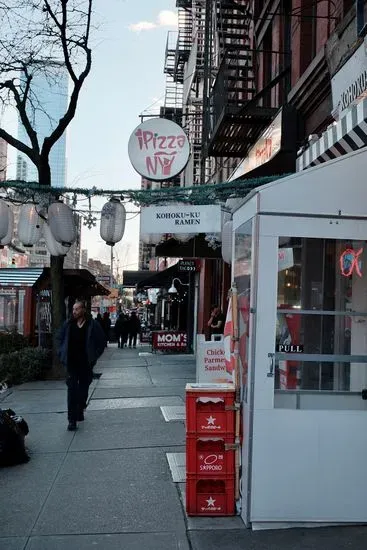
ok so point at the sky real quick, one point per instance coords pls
(126, 79)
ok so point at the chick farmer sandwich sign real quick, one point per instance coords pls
(158, 149)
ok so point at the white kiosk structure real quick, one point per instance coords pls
(300, 265)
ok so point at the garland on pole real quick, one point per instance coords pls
(197, 194)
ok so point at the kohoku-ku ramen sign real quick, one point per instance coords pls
(183, 218)
(158, 149)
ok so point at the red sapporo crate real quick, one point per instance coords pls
(210, 456)
(210, 496)
(210, 409)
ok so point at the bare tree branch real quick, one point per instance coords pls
(17, 144)
(21, 107)
(77, 81)
(40, 36)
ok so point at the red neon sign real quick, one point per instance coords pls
(349, 262)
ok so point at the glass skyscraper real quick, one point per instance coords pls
(49, 104)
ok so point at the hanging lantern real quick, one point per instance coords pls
(183, 237)
(29, 224)
(227, 236)
(113, 218)
(54, 248)
(151, 238)
(4, 219)
(62, 224)
(8, 237)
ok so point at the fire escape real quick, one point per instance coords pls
(193, 91)
(236, 111)
(172, 108)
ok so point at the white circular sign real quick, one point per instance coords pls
(158, 149)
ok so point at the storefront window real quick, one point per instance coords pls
(12, 310)
(243, 276)
(321, 315)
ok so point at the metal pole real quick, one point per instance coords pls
(189, 315)
(162, 314)
(196, 301)
(111, 274)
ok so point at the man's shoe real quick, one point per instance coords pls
(72, 426)
(80, 417)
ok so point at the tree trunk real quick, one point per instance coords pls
(58, 310)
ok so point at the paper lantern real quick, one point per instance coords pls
(4, 219)
(62, 224)
(29, 224)
(54, 248)
(113, 218)
(8, 237)
(227, 237)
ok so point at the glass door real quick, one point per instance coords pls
(321, 343)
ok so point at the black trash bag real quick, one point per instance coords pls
(13, 430)
(21, 423)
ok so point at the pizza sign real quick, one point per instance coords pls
(158, 149)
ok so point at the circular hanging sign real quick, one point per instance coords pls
(158, 149)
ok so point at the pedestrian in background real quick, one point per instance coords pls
(106, 325)
(216, 321)
(81, 342)
(125, 330)
(122, 330)
(134, 329)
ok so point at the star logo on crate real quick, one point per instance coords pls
(211, 420)
(211, 501)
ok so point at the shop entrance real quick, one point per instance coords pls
(300, 266)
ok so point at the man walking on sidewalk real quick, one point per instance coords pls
(81, 343)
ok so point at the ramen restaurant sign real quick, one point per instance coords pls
(181, 218)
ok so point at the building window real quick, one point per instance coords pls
(308, 22)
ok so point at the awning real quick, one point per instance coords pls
(26, 276)
(342, 137)
(131, 278)
(163, 278)
(78, 283)
(197, 247)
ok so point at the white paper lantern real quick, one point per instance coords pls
(8, 237)
(62, 224)
(184, 237)
(54, 248)
(227, 237)
(151, 238)
(4, 219)
(113, 218)
(29, 224)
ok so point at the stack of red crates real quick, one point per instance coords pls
(210, 455)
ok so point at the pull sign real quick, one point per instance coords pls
(289, 348)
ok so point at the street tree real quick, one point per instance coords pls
(38, 40)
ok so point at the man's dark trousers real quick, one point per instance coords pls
(78, 382)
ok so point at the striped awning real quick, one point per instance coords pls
(26, 276)
(345, 136)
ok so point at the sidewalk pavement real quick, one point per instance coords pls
(117, 482)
